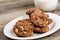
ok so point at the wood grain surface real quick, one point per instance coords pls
(9, 14)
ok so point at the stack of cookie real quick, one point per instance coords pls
(37, 23)
(39, 19)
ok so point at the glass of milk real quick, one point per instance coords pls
(46, 5)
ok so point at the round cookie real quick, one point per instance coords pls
(24, 33)
(38, 17)
(23, 28)
(41, 30)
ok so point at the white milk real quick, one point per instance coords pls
(46, 5)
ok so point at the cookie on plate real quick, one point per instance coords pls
(38, 17)
(23, 28)
(24, 33)
(41, 30)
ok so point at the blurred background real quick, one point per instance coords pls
(6, 5)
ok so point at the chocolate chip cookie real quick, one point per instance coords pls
(41, 30)
(23, 28)
(38, 17)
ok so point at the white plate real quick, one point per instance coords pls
(9, 27)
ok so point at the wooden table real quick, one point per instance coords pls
(7, 16)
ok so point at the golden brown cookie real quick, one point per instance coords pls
(24, 33)
(41, 30)
(38, 17)
(23, 28)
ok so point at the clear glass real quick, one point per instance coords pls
(46, 5)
